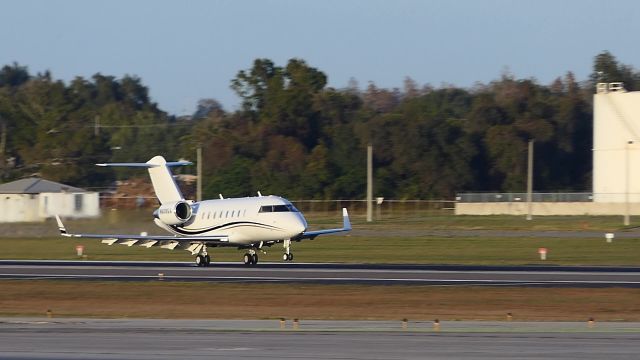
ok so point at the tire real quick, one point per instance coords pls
(200, 261)
(207, 260)
(247, 259)
(290, 257)
(254, 259)
(285, 257)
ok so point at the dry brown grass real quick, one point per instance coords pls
(260, 301)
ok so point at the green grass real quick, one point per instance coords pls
(41, 241)
(135, 221)
(354, 249)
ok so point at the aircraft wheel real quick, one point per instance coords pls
(290, 257)
(248, 259)
(254, 259)
(285, 257)
(200, 261)
(207, 260)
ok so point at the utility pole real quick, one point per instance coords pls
(530, 180)
(369, 183)
(3, 145)
(199, 170)
(3, 139)
(96, 127)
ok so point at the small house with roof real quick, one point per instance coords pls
(35, 199)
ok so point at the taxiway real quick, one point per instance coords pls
(90, 339)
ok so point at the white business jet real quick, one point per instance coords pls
(249, 223)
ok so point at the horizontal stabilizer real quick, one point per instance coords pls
(146, 165)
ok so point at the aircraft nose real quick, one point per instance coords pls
(301, 225)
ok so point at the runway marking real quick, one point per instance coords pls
(333, 279)
(204, 272)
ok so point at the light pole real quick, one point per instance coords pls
(369, 183)
(529, 179)
(199, 172)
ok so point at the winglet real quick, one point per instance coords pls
(63, 230)
(346, 223)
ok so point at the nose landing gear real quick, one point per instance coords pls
(288, 255)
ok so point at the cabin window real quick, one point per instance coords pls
(214, 214)
(227, 214)
(208, 215)
(244, 213)
(233, 213)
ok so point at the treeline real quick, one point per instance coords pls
(297, 137)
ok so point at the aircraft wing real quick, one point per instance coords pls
(346, 226)
(164, 241)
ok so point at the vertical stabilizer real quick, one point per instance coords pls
(163, 183)
(166, 189)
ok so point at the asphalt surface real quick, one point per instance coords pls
(328, 273)
(224, 339)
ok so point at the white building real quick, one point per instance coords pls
(35, 199)
(616, 144)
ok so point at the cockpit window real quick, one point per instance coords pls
(278, 208)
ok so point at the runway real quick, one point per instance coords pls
(329, 273)
(90, 339)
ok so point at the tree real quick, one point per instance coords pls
(206, 108)
(13, 75)
(607, 69)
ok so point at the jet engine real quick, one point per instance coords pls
(174, 213)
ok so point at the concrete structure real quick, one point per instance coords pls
(35, 199)
(545, 208)
(616, 144)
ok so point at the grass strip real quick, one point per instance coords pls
(322, 302)
(354, 249)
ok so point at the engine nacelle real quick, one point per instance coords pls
(175, 213)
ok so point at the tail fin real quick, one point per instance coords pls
(163, 184)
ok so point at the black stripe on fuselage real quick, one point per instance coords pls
(184, 231)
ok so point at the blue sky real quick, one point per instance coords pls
(188, 50)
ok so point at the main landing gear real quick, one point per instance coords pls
(251, 257)
(288, 255)
(203, 259)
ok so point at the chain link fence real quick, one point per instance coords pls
(522, 197)
(382, 208)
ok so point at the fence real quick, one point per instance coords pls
(522, 197)
(381, 209)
